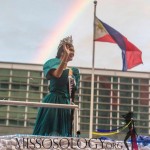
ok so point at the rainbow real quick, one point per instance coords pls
(49, 45)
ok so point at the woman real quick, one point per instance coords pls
(56, 121)
(132, 132)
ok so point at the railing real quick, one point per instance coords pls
(48, 105)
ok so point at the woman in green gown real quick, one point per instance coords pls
(57, 121)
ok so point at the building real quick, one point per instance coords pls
(115, 93)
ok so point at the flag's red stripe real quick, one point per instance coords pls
(133, 55)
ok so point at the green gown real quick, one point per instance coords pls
(56, 121)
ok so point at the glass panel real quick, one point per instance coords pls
(3, 112)
(115, 79)
(84, 127)
(34, 88)
(19, 80)
(136, 94)
(104, 106)
(35, 81)
(144, 88)
(114, 122)
(85, 119)
(5, 72)
(45, 88)
(86, 91)
(19, 73)
(4, 93)
(136, 81)
(105, 85)
(125, 108)
(144, 101)
(125, 87)
(18, 94)
(16, 115)
(125, 80)
(86, 77)
(34, 95)
(19, 86)
(103, 121)
(136, 87)
(125, 101)
(114, 114)
(104, 92)
(4, 79)
(30, 123)
(86, 84)
(16, 122)
(32, 112)
(103, 114)
(143, 109)
(45, 81)
(85, 98)
(144, 81)
(85, 105)
(104, 99)
(136, 108)
(115, 86)
(4, 86)
(125, 94)
(85, 112)
(17, 109)
(105, 78)
(3, 121)
(136, 101)
(35, 74)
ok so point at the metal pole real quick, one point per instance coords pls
(92, 78)
(35, 104)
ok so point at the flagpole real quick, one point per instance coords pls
(92, 78)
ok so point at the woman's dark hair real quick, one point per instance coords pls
(59, 52)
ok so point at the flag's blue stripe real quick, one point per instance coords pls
(118, 38)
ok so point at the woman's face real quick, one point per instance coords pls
(71, 48)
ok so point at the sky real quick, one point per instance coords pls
(30, 30)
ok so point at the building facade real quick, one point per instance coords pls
(115, 93)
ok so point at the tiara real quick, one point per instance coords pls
(68, 40)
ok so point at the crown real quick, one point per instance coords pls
(68, 40)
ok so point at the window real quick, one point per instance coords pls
(125, 101)
(125, 80)
(17, 94)
(19, 80)
(19, 86)
(35, 74)
(125, 87)
(4, 79)
(34, 95)
(19, 73)
(104, 106)
(4, 93)
(34, 88)
(4, 86)
(5, 72)
(85, 105)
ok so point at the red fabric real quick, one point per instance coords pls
(133, 55)
(134, 142)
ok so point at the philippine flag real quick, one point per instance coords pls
(131, 55)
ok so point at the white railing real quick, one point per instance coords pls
(48, 105)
